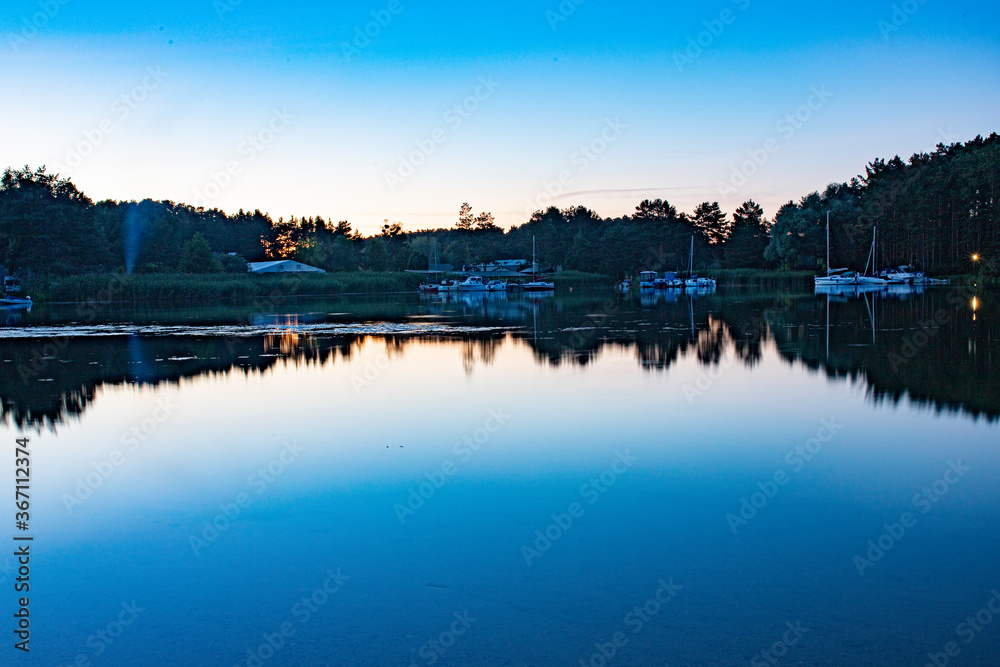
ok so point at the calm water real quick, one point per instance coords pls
(741, 478)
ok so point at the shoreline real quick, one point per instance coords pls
(234, 288)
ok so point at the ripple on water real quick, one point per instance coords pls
(242, 331)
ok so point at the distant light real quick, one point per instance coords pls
(975, 258)
(975, 304)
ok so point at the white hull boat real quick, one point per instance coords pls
(473, 284)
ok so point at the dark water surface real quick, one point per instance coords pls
(591, 478)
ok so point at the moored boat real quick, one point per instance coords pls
(536, 284)
(11, 297)
(693, 282)
(473, 284)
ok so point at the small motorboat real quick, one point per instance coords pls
(538, 286)
(473, 284)
(16, 302)
(11, 297)
(668, 281)
(696, 283)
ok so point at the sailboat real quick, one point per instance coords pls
(693, 281)
(536, 284)
(866, 279)
(835, 277)
(432, 288)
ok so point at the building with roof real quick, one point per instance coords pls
(283, 266)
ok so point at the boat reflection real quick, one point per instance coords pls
(898, 291)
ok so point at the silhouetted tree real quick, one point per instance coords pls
(465, 218)
(712, 223)
(745, 247)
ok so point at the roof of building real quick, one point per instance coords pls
(288, 263)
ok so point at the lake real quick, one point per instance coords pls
(591, 478)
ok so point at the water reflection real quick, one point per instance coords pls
(935, 347)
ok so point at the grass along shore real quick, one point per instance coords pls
(213, 288)
(238, 287)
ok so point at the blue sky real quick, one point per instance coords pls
(256, 105)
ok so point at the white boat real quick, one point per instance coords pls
(907, 275)
(536, 284)
(668, 281)
(473, 284)
(693, 282)
(625, 285)
(696, 283)
(11, 294)
(865, 279)
(838, 277)
(834, 277)
(496, 286)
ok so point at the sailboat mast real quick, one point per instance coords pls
(691, 257)
(874, 250)
(534, 259)
(828, 243)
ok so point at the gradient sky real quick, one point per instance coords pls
(895, 83)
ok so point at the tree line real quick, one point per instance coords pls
(935, 211)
